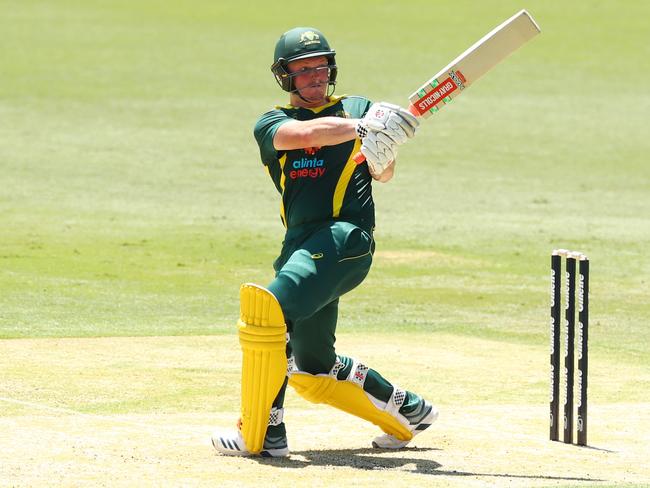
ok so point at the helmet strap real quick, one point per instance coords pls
(331, 87)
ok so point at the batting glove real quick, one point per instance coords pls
(379, 150)
(389, 119)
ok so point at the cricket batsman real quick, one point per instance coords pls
(287, 329)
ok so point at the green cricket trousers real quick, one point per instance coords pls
(314, 269)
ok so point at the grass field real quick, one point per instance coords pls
(133, 204)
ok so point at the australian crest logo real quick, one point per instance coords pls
(308, 38)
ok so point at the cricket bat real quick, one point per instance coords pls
(477, 60)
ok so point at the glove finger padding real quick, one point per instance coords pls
(379, 150)
(380, 143)
(412, 123)
(409, 122)
(395, 131)
(386, 142)
(378, 167)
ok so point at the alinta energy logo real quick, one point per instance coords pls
(307, 168)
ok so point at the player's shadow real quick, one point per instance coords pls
(376, 459)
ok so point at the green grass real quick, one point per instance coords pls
(133, 201)
(133, 205)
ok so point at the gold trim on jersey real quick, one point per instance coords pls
(344, 180)
(282, 161)
(332, 101)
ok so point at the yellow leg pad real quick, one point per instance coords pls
(262, 336)
(348, 397)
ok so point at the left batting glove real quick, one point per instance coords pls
(389, 119)
(379, 150)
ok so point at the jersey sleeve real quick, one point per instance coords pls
(365, 106)
(265, 130)
(357, 106)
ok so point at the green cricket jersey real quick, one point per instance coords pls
(318, 184)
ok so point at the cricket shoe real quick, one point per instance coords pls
(231, 443)
(419, 420)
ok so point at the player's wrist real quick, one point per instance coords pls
(360, 129)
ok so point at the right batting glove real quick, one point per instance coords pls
(379, 150)
(392, 120)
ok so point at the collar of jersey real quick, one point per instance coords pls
(333, 101)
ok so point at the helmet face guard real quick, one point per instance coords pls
(285, 78)
(301, 43)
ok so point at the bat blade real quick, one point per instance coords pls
(469, 66)
(477, 60)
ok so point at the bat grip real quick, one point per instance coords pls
(360, 158)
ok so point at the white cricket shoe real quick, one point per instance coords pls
(419, 420)
(231, 443)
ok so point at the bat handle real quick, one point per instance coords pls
(360, 158)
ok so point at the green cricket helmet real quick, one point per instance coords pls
(300, 43)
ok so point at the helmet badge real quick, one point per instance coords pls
(308, 38)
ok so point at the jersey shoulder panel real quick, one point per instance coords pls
(356, 106)
(264, 131)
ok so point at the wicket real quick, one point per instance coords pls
(569, 339)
